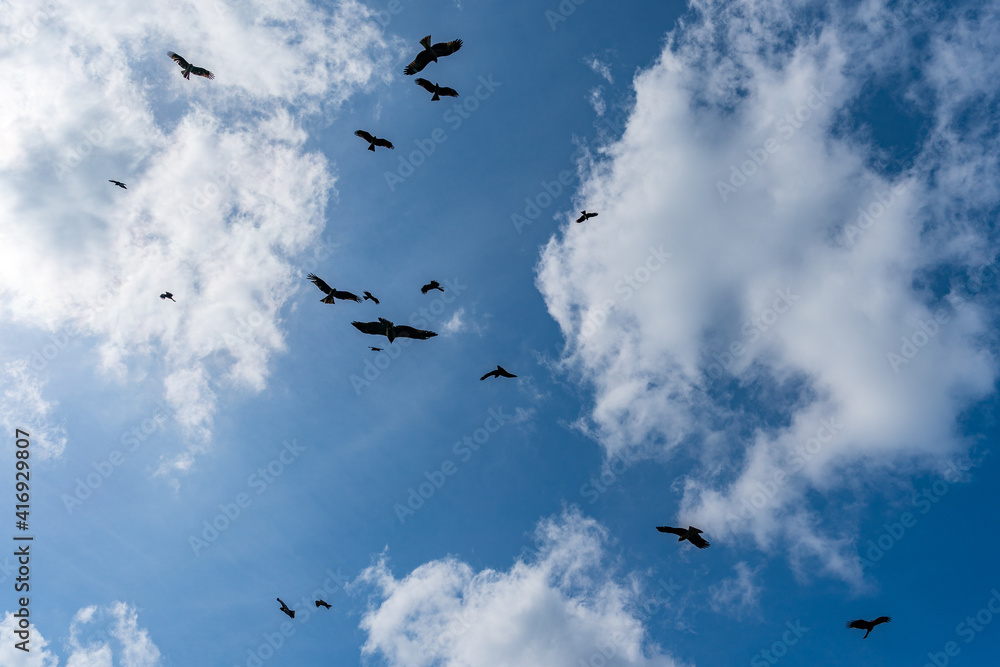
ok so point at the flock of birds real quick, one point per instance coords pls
(384, 327)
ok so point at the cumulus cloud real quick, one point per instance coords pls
(119, 642)
(771, 292)
(223, 198)
(23, 407)
(563, 608)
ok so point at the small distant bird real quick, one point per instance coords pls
(436, 89)
(691, 534)
(118, 183)
(431, 285)
(498, 373)
(332, 294)
(586, 216)
(284, 608)
(369, 297)
(190, 69)
(167, 295)
(374, 349)
(392, 331)
(373, 141)
(321, 603)
(431, 54)
(868, 625)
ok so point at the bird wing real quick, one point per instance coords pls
(491, 373)
(364, 135)
(179, 60)
(582, 218)
(881, 619)
(346, 296)
(385, 143)
(698, 541)
(446, 48)
(403, 331)
(502, 371)
(447, 92)
(670, 529)
(426, 85)
(418, 63)
(201, 71)
(320, 283)
(860, 624)
(426, 288)
(371, 328)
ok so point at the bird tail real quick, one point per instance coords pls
(329, 299)
(426, 42)
(371, 147)
(435, 98)
(186, 74)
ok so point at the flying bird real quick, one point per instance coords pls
(436, 89)
(498, 373)
(332, 294)
(861, 624)
(118, 183)
(374, 349)
(190, 69)
(586, 216)
(167, 295)
(691, 534)
(369, 297)
(373, 141)
(431, 54)
(321, 603)
(284, 608)
(431, 285)
(392, 331)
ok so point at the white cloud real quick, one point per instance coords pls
(561, 609)
(23, 407)
(600, 68)
(775, 281)
(736, 596)
(88, 646)
(596, 100)
(222, 200)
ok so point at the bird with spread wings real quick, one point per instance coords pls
(332, 294)
(190, 69)
(498, 373)
(431, 54)
(436, 90)
(392, 331)
(586, 216)
(862, 624)
(691, 534)
(284, 608)
(118, 183)
(431, 285)
(373, 141)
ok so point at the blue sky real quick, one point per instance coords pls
(779, 329)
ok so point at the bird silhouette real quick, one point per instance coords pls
(118, 183)
(369, 297)
(431, 54)
(332, 294)
(284, 608)
(586, 216)
(436, 89)
(321, 603)
(862, 624)
(374, 349)
(431, 285)
(392, 331)
(168, 295)
(190, 69)
(691, 534)
(373, 141)
(499, 372)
